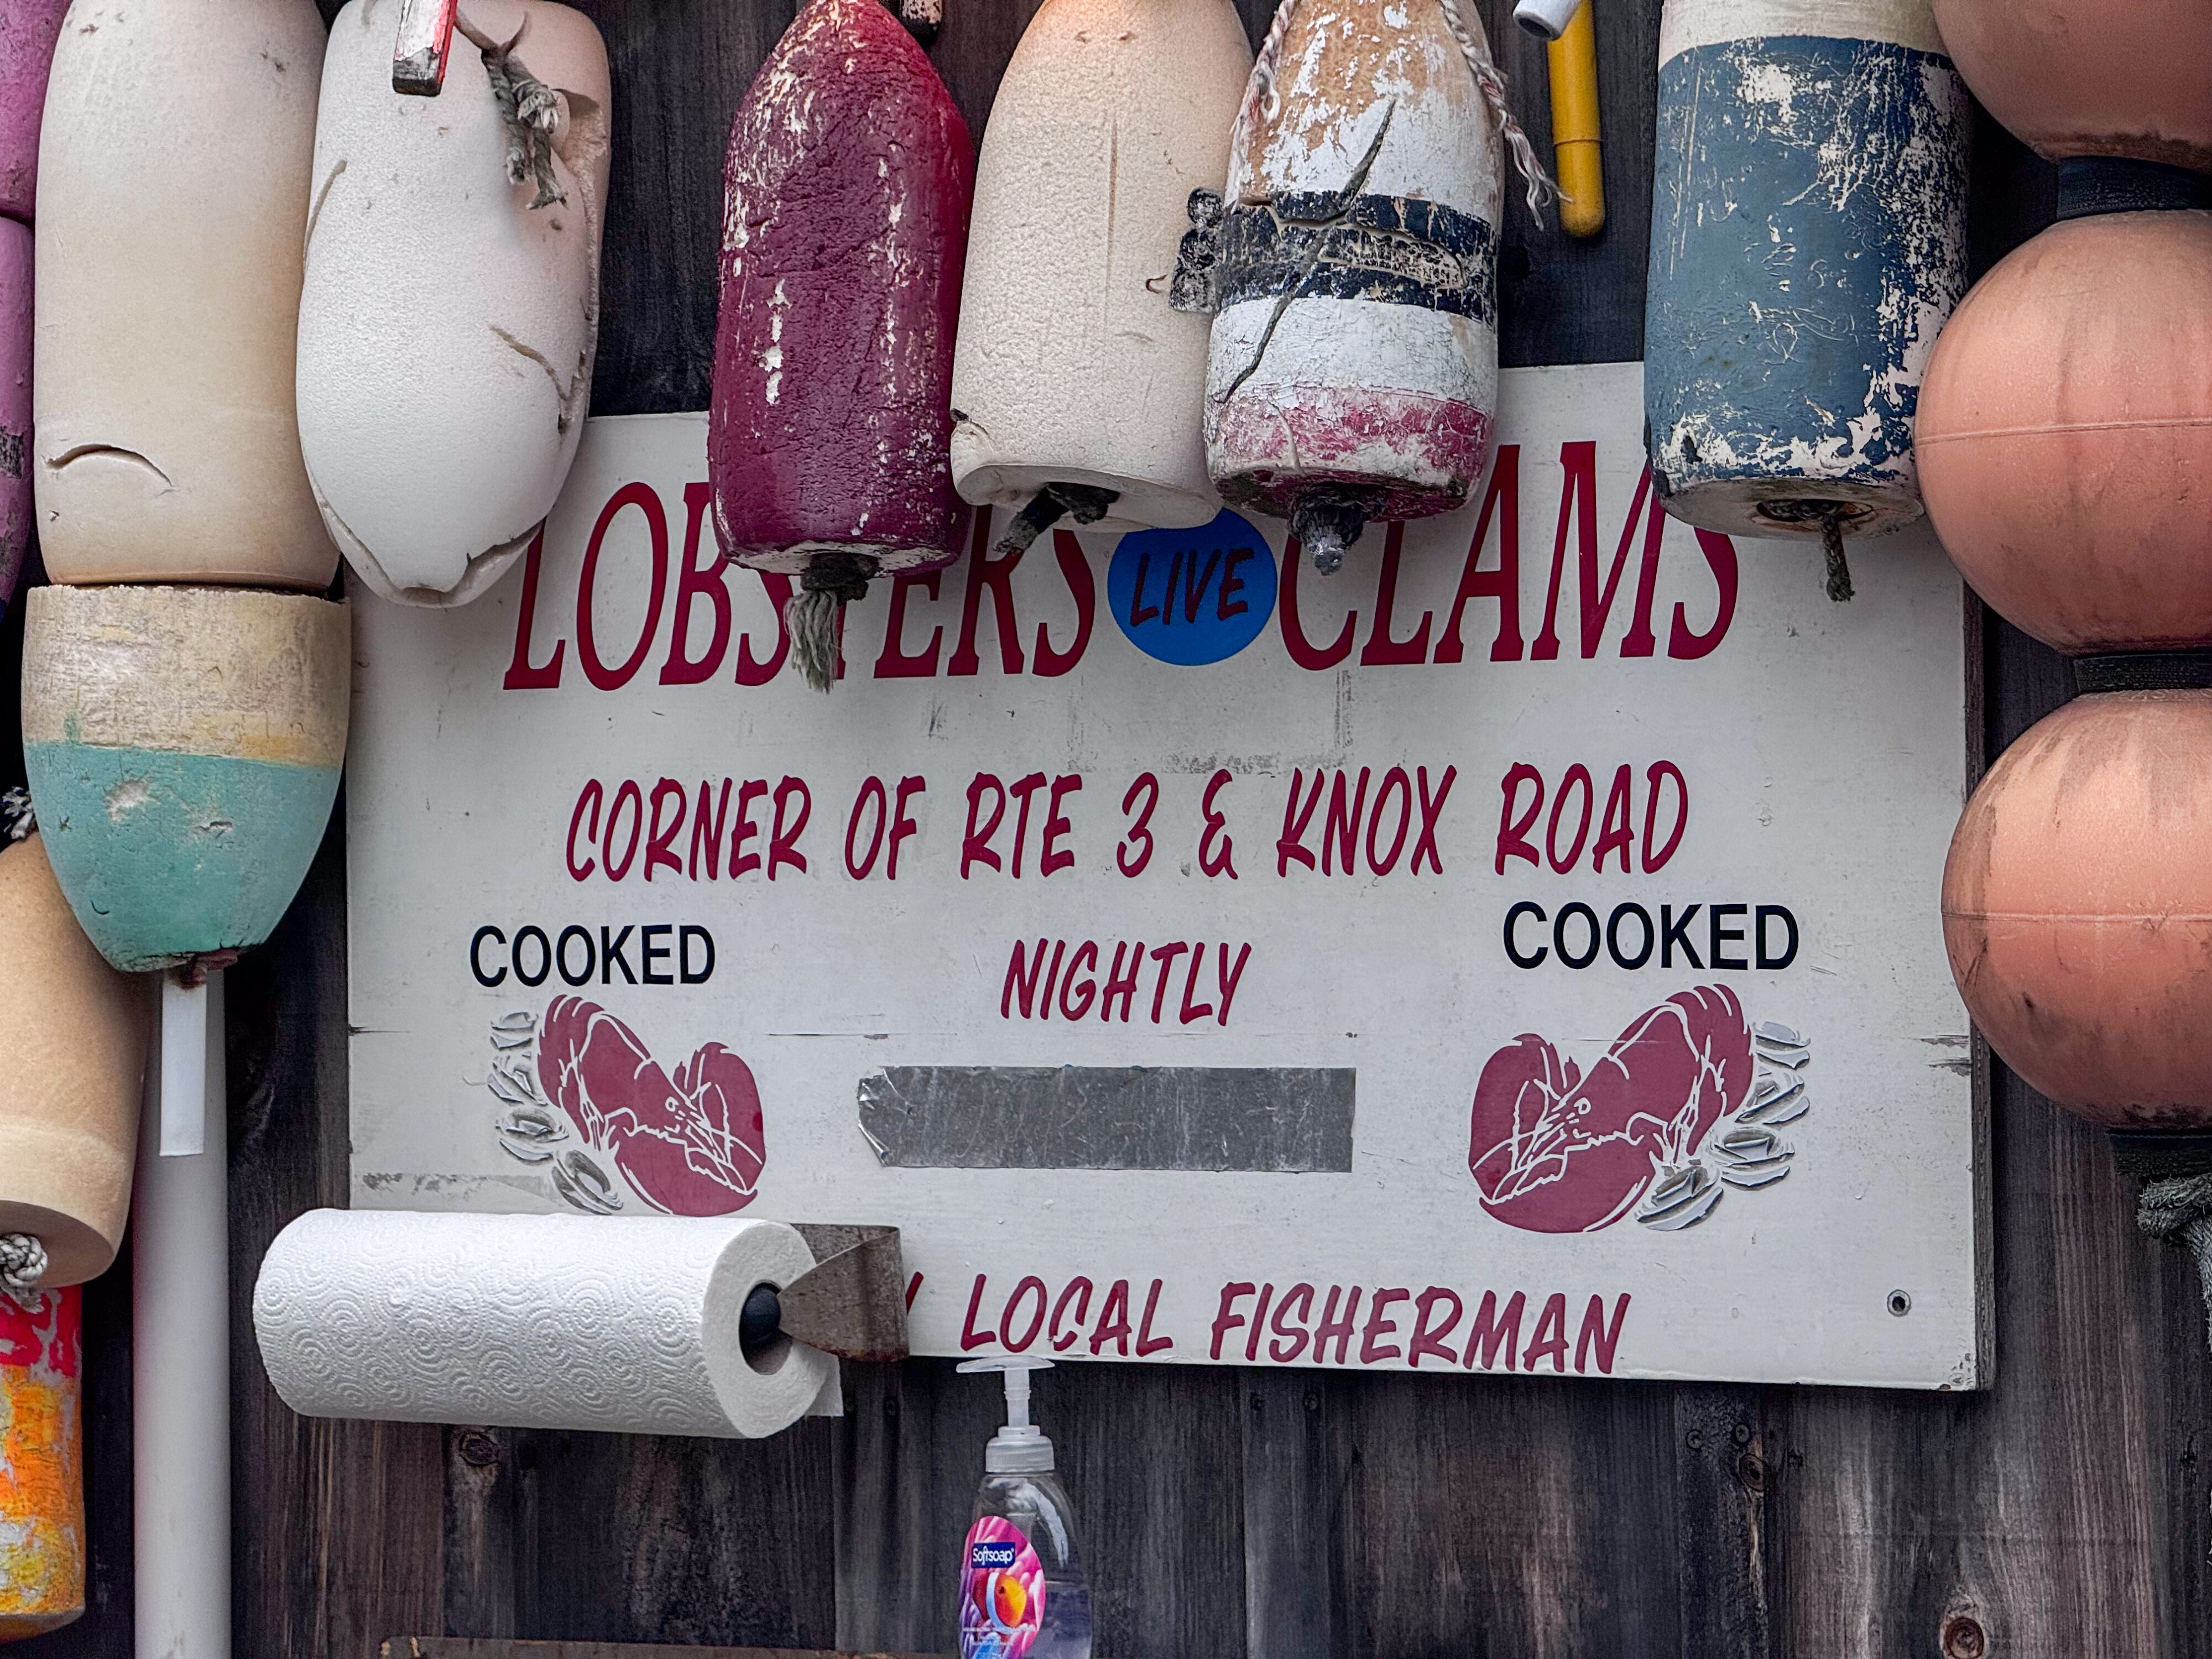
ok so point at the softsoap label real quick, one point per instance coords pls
(1001, 1592)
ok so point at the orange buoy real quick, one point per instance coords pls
(2065, 434)
(41, 1464)
(2078, 908)
(2091, 77)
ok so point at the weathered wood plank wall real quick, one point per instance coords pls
(2060, 1515)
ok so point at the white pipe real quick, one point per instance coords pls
(184, 1068)
(180, 1347)
(1547, 19)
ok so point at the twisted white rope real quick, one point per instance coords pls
(1491, 80)
(23, 1264)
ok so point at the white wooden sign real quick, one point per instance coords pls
(1518, 952)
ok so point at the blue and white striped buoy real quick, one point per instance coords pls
(1808, 238)
(184, 746)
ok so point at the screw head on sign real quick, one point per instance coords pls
(1964, 1639)
(1900, 1303)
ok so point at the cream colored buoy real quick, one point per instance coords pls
(451, 313)
(1353, 369)
(173, 168)
(183, 747)
(1072, 371)
(75, 1033)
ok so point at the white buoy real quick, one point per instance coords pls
(1353, 371)
(450, 316)
(180, 1366)
(173, 168)
(1071, 367)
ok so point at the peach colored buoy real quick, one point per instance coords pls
(2091, 77)
(76, 1031)
(2065, 434)
(2078, 908)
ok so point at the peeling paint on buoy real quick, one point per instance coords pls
(41, 1463)
(183, 747)
(1807, 243)
(1353, 369)
(849, 177)
(448, 327)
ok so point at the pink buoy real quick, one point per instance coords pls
(16, 513)
(845, 229)
(29, 29)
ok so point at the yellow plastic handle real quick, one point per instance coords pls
(1575, 139)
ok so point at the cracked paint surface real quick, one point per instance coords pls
(41, 1465)
(845, 220)
(1808, 242)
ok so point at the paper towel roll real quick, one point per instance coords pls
(614, 1323)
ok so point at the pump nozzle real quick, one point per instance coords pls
(1019, 1448)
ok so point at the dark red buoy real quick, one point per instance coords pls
(844, 232)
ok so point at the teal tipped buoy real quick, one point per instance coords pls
(183, 747)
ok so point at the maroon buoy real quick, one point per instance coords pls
(845, 228)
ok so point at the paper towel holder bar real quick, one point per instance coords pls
(852, 1302)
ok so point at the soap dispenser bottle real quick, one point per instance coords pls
(1022, 1592)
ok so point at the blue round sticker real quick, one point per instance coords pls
(1193, 596)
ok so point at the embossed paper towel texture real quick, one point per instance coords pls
(611, 1323)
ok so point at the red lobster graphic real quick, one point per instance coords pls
(693, 1145)
(1554, 1152)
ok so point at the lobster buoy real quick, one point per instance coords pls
(2091, 77)
(173, 170)
(850, 174)
(450, 309)
(1808, 238)
(15, 321)
(1077, 388)
(29, 29)
(2078, 908)
(42, 1542)
(1353, 373)
(76, 1031)
(183, 747)
(2066, 434)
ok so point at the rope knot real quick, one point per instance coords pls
(23, 1264)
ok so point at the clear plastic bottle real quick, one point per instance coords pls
(1023, 1591)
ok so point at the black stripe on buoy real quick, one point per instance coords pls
(2144, 670)
(2091, 185)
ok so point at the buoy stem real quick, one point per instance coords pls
(1326, 520)
(1832, 544)
(815, 618)
(184, 1066)
(1084, 503)
(180, 1366)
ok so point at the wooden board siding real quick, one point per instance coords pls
(2061, 1515)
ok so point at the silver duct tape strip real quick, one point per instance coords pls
(1272, 1120)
